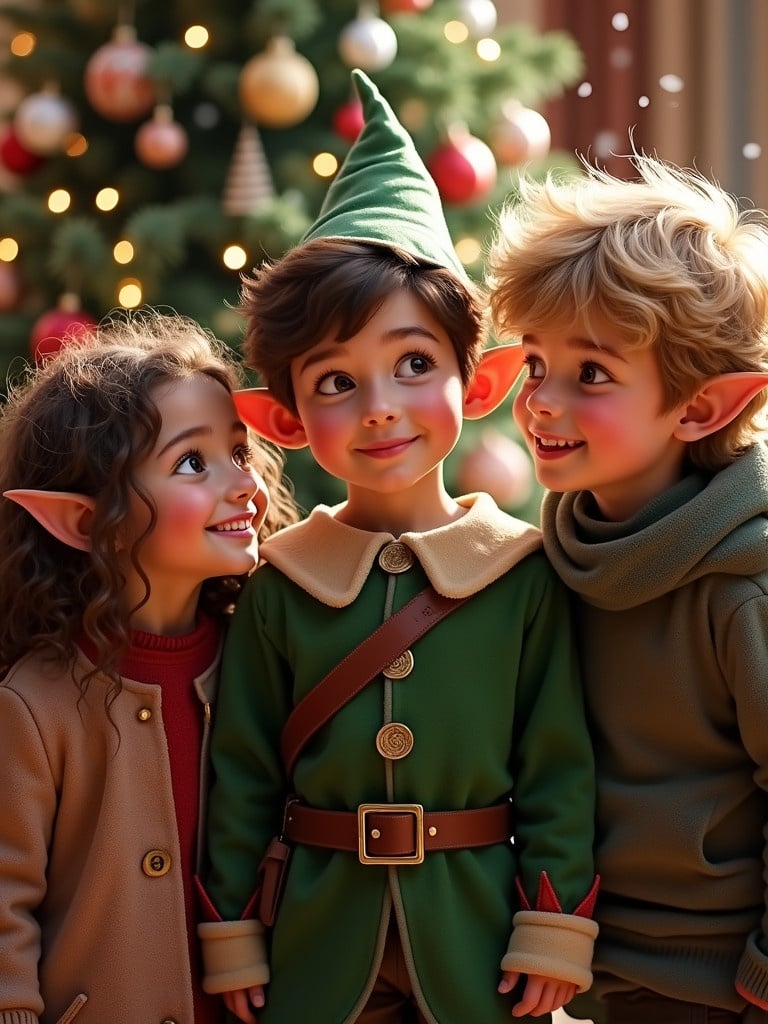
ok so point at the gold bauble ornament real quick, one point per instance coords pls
(278, 87)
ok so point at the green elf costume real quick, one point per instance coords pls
(487, 713)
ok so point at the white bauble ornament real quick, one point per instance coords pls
(368, 43)
(44, 121)
(479, 16)
(519, 135)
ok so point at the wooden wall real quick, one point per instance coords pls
(717, 49)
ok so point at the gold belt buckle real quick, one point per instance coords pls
(366, 857)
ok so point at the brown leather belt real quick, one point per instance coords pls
(396, 833)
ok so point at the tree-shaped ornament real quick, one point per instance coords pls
(249, 181)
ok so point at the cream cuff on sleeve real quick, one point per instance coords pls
(553, 945)
(752, 974)
(234, 955)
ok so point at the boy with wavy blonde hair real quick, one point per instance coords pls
(643, 311)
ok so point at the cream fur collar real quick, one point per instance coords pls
(331, 560)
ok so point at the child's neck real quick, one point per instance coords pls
(403, 512)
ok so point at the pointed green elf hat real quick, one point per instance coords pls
(383, 193)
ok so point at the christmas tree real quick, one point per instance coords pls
(150, 152)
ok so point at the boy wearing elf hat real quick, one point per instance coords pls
(369, 336)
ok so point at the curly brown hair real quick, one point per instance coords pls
(82, 422)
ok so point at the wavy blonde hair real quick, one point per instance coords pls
(668, 257)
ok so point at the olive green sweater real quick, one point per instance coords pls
(674, 634)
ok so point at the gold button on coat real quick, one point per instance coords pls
(156, 863)
(395, 557)
(144, 714)
(394, 741)
(401, 667)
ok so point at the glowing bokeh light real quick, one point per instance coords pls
(325, 165)
(456, 32)
(123, 251)
(196, 37)
(234, 257)
(488, 50)
(9, 249)
(59, 200)
(107, 199)
(129, 293)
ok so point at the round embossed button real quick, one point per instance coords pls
(395, 557)
(394, 741)
(156, 863)
(401, 667)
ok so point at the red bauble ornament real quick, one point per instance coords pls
(116, 81)
(15, 157)
(463, 167)
(348, 121)
(404, 6)
(161, 142)
(58, 326)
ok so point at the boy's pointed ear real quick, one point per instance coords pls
(262, 412)
(65, 515)
(498, 370)
(718, 403)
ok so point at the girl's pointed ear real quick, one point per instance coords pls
(718, 403)
(498, 370)
(262, 412)
(64, 515)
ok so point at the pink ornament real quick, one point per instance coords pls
(519, 135)
(59, 326)
(404, 6)
(348, 121)
(464, 168)
(499, 466)
(15, 157)
(116, 81)
(161, 142)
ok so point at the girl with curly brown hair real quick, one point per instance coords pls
(132, 503)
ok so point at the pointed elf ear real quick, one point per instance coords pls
(66, 516)
(718, 403)
(494, 377)
(262, 412)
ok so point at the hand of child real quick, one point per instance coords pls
(541, 995)
(242, 1001)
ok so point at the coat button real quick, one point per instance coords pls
(156, 863)
(401, 667)
(394, 741)
(144, 714)
(168, 1020)
(395, 557)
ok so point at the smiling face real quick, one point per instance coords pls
(591, 412)
(209, 503)
(382, 410)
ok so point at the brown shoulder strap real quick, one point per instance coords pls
(360, 666)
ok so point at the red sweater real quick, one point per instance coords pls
(172, 663)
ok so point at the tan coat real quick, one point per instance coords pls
(83, 807)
